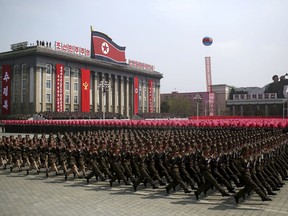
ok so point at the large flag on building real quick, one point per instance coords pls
(103, 48)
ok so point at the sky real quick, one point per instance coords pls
(250, 42)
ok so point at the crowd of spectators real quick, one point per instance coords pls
(80, 115)
(160, 116)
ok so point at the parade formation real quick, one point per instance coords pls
(231, 160)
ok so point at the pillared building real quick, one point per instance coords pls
(62, 77)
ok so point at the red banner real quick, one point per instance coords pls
(6, 89)
(150, 98)
(136, 95)
(208, 74)
(85, 90)
(59, 88)
(105, 49)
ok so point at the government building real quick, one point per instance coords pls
(61, 77)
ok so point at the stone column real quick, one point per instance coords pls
(233, 110)
(267, 110)
(43, 96)
(127, 98)
(37, 82)
(95, 92)
(109, 93)
(115, 95)
(121, 94)
(241, 110)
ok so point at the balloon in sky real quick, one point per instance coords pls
(207, 41)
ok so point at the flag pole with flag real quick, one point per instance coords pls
(105, 49)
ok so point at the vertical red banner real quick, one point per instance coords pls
(85, 90)
(6, 89)
(136, 95)
(59, 88)
(150, 95)
(208, 74)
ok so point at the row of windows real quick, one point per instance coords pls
(67, 86)
(67, 99)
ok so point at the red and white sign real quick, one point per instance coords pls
(150, 95)
(255, 96)
(6, 89)
(136, 95)
(208, 74)
(211, 103)
(71, 49)
(59, 88)
(140, 65)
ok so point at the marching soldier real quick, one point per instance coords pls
(249, 184)
(144, 176)
(209, 180)
(174, 171)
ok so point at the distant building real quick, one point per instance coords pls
(221, 95)
(231, 101)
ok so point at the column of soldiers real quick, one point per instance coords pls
(195, 159)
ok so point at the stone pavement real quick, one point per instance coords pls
(37, 195)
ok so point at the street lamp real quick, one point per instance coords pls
(104, 86)
(283, 109)
(198, 99)
(206, 105)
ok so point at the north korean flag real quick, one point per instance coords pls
(103, 48)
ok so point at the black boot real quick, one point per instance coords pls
(236, 199)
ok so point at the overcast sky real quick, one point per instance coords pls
(250, 42)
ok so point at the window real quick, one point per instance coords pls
(15, 98)
(76, 86)
(48, 84)
(48, 98)
(23, 97)
(67, 71)
(16, 70)
(24, 70)
(24, 84)
(67, 99)
(75, 73)
(75, 99)
(67, 85)
(48, 69)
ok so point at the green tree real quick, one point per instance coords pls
(165, 107)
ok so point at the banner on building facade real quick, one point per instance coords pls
(136, 95)
(211, 104)
(103, 48)
(85, 90)
(208, 74)
(59, 88)
(150, 95)
(6, 89)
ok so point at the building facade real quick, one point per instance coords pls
(31, 83)
(201, 101)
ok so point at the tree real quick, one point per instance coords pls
(178, 105)
(165, 107)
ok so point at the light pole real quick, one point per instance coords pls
(104, 86)
(206, 109)
(198, 99)
(283, 109)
